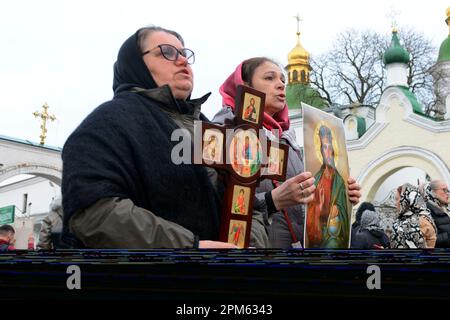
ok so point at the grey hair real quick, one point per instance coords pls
(143, 34)
(434, 184)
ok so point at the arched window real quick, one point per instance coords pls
(303, 76)
(295, 75)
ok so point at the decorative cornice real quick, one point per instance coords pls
(422, 153)
(428, 124)
(367, 137)
(23, 145)
(27, 143)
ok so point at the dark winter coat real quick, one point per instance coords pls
(370, 239)
(442, 221)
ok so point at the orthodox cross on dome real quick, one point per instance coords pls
(297, 17)
(44, 116)
(243, 154)
(392, 15)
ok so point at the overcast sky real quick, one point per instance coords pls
(62, 52)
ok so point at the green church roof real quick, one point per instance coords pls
(444, 50)
(296, 93)
(361, 125)
(396, 53)
(417, 107)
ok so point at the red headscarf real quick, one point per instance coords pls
(279, 120)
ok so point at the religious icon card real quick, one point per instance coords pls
(245, 153)
(241, 199)
(213, 146)
(237, 231)
(249, 105)
(276, 161)
(328, 216)
(209, 145)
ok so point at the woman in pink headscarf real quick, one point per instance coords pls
(284, 201)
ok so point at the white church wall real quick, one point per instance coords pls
(351, 128)
(39, 191)
(396, 74)
(410, 146)
(410, 175)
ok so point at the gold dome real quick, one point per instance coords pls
(448, 20)
(298, 55)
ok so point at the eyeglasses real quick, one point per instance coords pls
(171, 53)
(443, 189)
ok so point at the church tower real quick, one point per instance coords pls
(441, 75)
(396, 59)
(298, 62)
(298, 68)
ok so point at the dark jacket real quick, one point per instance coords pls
(120, 160)
(369, 234)
(362, 207)
(369, 239)
(442, 221)
(51, 226)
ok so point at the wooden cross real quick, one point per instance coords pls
(244, 155)
(44, 116)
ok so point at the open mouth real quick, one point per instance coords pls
(184, 71)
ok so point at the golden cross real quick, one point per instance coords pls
(44, 116)
(297, 17)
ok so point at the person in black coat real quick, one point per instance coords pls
(436, 195)
(121, 186)
(370, 235)
(355, 226)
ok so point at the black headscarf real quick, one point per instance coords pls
(130, 70)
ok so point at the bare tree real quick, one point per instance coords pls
(353, 72)
(422, 57)
(319, 76)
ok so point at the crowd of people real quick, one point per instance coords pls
(423, 220)
(122, 189)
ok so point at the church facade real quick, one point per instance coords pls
(396, 134)
(37, 170)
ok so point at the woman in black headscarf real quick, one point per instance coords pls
(121, 187)
(356, 225)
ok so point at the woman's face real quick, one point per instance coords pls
(177, 74)
(442, 193)
(269, 79)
